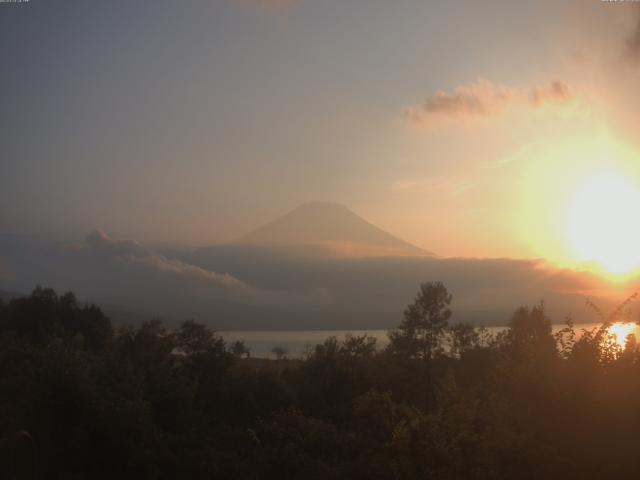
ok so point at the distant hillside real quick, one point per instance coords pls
(6, 296)
(332, 227)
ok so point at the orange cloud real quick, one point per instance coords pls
(485, 99)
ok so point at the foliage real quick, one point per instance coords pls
(425, 322)
(442, 402)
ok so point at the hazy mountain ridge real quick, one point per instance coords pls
(331, 227)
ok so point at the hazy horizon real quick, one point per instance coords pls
(193, 123)
(150, 149)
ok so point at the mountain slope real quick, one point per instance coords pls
(331, 226)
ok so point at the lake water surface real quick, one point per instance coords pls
(297, 342)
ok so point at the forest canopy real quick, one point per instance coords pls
(82, 399)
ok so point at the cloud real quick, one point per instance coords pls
(406, 184)
(127, 275)
(523, 153)
(235, 287)
(447, 186)
(371, 293)
(132, 253)
(141, 274)
(485, 99)
(633, 43)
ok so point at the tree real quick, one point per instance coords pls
(280, 352)
(43, 316)
(361, 346)
(463, 337)
(529, 333)
(239, 349)
(425, 322)
(195, 338)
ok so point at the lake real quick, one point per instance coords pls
(297, 342)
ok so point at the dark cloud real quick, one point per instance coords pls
(485, 99)
(261, 288)
(633, 42)
(125, 274)
(132, 253)
(372, 292)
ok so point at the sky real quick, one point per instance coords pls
(471, 129)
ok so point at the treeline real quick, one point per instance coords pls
(80, 400)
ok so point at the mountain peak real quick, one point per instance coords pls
(332, 226)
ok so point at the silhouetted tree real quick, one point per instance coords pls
(280, 352)
(193, 338)
(463, 337)
(43, 316)
(362, 346)
(425, 322)
(240, 349)
(529, 333)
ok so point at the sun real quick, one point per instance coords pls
(601, 222)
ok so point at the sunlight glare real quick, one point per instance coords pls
(600, 223)
(620, 332)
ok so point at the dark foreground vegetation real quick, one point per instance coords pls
(79, 400)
